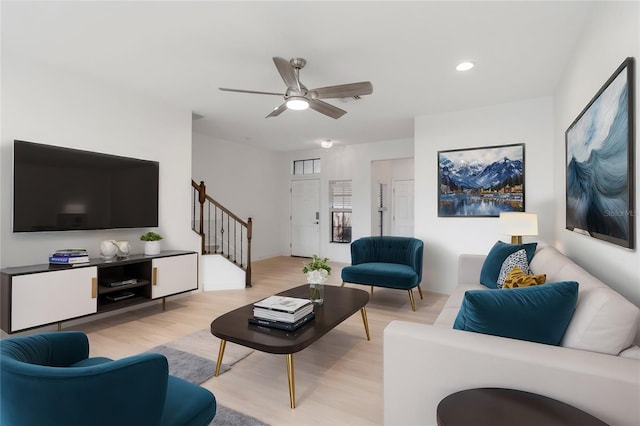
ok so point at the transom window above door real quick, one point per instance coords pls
(306, 167)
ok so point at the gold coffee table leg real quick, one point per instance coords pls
(292, 384)
(223, 343)
(366, 322)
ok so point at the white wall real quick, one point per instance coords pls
(343, 163)
(217, 273)
(248, 181)
(529, 122)
(612, 35)
(51, 106)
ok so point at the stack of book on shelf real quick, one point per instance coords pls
(286, 313)
(69, 257)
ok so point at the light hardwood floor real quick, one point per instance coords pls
(338, 379)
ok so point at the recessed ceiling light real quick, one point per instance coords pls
(465, 66)
(328, 143)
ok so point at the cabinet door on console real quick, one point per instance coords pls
(48, 297)
(175, 274)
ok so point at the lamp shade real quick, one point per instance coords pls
(518, 224)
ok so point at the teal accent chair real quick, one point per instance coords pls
(391, 262)
(49, 379)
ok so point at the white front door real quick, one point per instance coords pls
(403, 208)
(305, 217)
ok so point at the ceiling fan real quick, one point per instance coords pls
(298, 97)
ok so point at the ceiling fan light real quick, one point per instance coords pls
(297, 103)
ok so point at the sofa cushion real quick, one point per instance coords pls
(392, 275)
(448, 315)
(496, 257)
(633, 352)
(517, 259)
(518, 278)
(604, 321)
(89, 362)
(537, 314)
(549, 261)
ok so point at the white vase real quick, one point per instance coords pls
(123, 249)
(151, 247)
(108, 249)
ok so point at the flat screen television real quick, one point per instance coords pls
(62, 189)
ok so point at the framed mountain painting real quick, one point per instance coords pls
(600, 163)
(481, 182)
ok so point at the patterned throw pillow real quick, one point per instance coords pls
(517, 278)
(496, 256)
(519, 259)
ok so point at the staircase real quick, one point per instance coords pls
(221, 232)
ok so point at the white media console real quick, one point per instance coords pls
(37, 295)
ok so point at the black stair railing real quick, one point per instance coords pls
(221, 232)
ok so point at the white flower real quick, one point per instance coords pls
(317, 276)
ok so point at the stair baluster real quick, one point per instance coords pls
(214, 243)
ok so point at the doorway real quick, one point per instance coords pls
(403, 208)
(393, 197)
(305, 217)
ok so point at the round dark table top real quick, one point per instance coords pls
(508, 407)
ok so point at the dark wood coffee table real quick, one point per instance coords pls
(339, 304)
(508, 407)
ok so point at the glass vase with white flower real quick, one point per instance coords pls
(317, 272)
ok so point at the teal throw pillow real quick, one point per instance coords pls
(538, 314)
(496, 257)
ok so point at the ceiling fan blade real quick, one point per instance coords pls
(277, 110)
(326, 109)
(344, 90)
(287, 72)
(224, 89)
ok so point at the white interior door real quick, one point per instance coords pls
(403, 208)
(305, 217)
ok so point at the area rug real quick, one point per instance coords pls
(193, 357)
(189, 367)
(228, 417)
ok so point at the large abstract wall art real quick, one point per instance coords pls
(600, 163)
(481, 181)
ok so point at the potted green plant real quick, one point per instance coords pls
(151, 243)
(317, 272)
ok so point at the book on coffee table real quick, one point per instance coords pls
(281, 308)
(289, 326)
(282, 316)
(282, 304)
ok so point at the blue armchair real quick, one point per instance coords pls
(49, 379)
(391, 262)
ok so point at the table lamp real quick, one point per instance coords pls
(518, 224)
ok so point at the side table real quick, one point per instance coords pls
(508, 407)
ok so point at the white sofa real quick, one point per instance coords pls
(596, 368)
